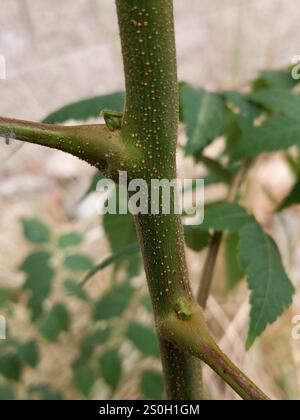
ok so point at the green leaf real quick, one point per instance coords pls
(39, 276)
(225, 216)
(7, 393)
(272, 79)
(216, 168)
(271, 289)
(56, 321)
(76, 290)
(95, 339)
(114, 302)
(29, 353)
(93, 185)
(10, 366)
(233, 135)
(52, 395)
(234, 272)
(111, 367)
(213, 179)
(121, 233)
(89, 345)
(45, 392)
(204, 114)
(85, 379)
(292, 199)
(196, 238)
(244, 111)
(152, 385)
(70, 239)
(143, 338)
(87, 108)
(125, 252)
(78, 262)
(243, 114)
(278, 100)
(35, 231)
(276, 133)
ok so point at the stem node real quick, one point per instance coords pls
(183, 310)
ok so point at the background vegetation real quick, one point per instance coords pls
(59, 353)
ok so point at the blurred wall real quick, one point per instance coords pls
(58, 51)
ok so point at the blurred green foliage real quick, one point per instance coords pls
(57, 261)
(52, 297)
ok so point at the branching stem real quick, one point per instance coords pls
(95, 144)
(193, 335)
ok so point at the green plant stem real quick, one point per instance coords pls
(216, 241)
(150, 124)
(209, 268)
(194, 336)
(95, 144)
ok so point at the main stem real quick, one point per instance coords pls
(150, 124)
(151, 121)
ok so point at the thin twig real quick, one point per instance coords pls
(126, 251)
(193, 335)
(209, 268)
(213, 251)
(96, 144)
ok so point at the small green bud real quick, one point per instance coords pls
(113, 119)
(183, 310)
